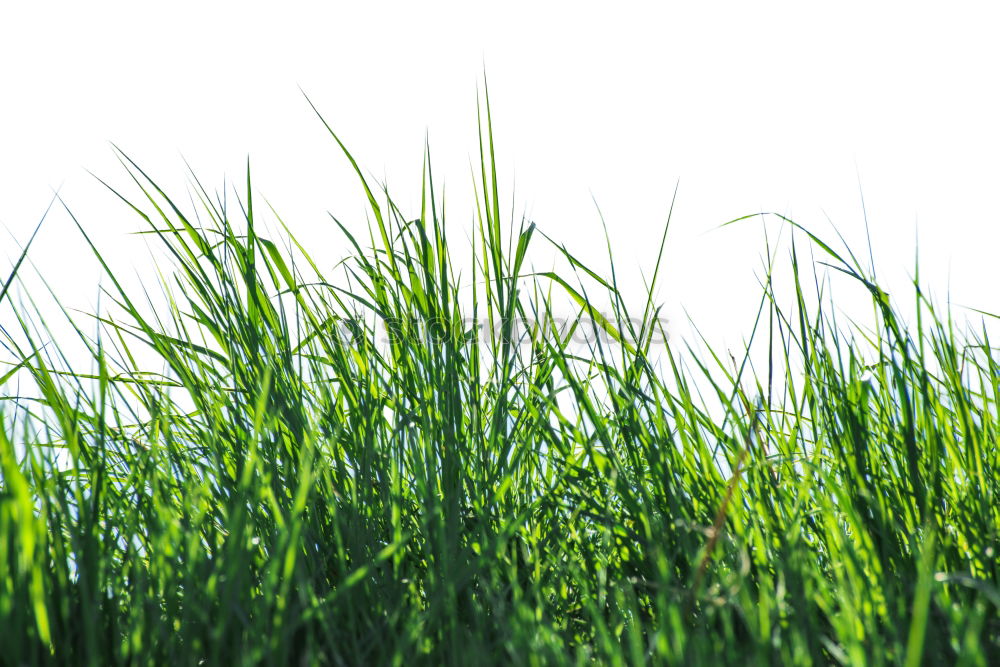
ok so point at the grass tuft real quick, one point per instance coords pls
(281, 464)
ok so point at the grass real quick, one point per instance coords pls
(262, 461)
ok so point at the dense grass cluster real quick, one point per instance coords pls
(288, 484)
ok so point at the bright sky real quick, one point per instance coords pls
(750, 106)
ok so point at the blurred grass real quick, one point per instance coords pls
(344, 469)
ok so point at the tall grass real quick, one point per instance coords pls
(263, 461)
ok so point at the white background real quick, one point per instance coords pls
(796, 108)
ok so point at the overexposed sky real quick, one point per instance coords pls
(789, 107)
